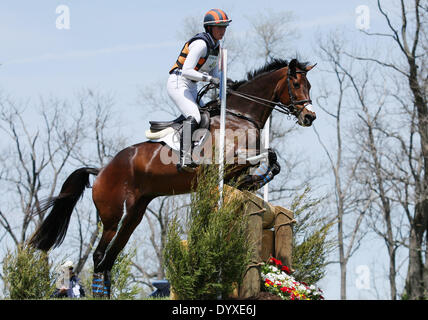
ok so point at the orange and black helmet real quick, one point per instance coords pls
(216, 17)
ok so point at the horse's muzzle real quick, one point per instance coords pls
(308, 119)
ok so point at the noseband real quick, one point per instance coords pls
(290, 94)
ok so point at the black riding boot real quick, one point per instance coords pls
(186, 145)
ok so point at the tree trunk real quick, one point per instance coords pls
(416, 283)
(342, 259)
(415, 277)
(392, 272)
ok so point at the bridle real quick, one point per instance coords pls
(277, 105)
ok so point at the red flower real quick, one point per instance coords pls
(272, 260)
(286, 269)
(285, 289)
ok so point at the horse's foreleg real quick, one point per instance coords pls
(259, 180)
(262, 173)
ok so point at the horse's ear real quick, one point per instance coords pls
(309, 68)
(292, 68)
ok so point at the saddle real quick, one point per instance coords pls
(156, 126)
(159, 129)
(176, 124)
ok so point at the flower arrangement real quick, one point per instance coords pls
(277, 279)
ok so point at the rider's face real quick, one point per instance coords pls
(218, 32)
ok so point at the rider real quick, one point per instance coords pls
(197, 62)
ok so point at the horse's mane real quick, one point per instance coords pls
(273, 65)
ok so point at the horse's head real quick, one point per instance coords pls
(293, 90)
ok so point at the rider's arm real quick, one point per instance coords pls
(197, 50)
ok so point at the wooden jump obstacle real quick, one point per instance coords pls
(270, 227)
(270, 230)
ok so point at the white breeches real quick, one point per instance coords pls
(184, 93)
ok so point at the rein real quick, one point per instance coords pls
(287, 109)
(267, 103)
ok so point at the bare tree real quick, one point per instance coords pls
(376, 181)
(43, 143)
(349, 208)
(407, 63)
(191, 25)
(35, 153)
(271, 33)
(384, 91)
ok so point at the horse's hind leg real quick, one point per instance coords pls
(110, 215)
(101, 278)
(134, 213)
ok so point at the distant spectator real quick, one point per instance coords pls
(67, 284)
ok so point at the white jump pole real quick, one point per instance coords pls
(266, 138)
(223, 68)
(223, 92)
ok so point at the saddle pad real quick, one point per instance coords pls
(169, 136)
(159, 134)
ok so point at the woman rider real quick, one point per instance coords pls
(196, 62)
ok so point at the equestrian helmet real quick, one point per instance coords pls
(216, 17)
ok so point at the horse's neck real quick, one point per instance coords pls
(263, 87)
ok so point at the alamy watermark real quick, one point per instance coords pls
(362, 20)
(63, 19)
(241, 146)
(362, 282)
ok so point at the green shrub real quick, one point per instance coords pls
(311, 245)
(217, 251)
(122, 287)
(28, 274)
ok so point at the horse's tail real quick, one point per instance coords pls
(51, 232)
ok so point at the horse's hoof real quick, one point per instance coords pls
(187, 168)
(107, 289)
(98, 285)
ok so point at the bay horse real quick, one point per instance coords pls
(136, 175)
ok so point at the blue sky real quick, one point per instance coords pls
(119, 46)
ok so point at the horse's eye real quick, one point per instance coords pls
(296, 85)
